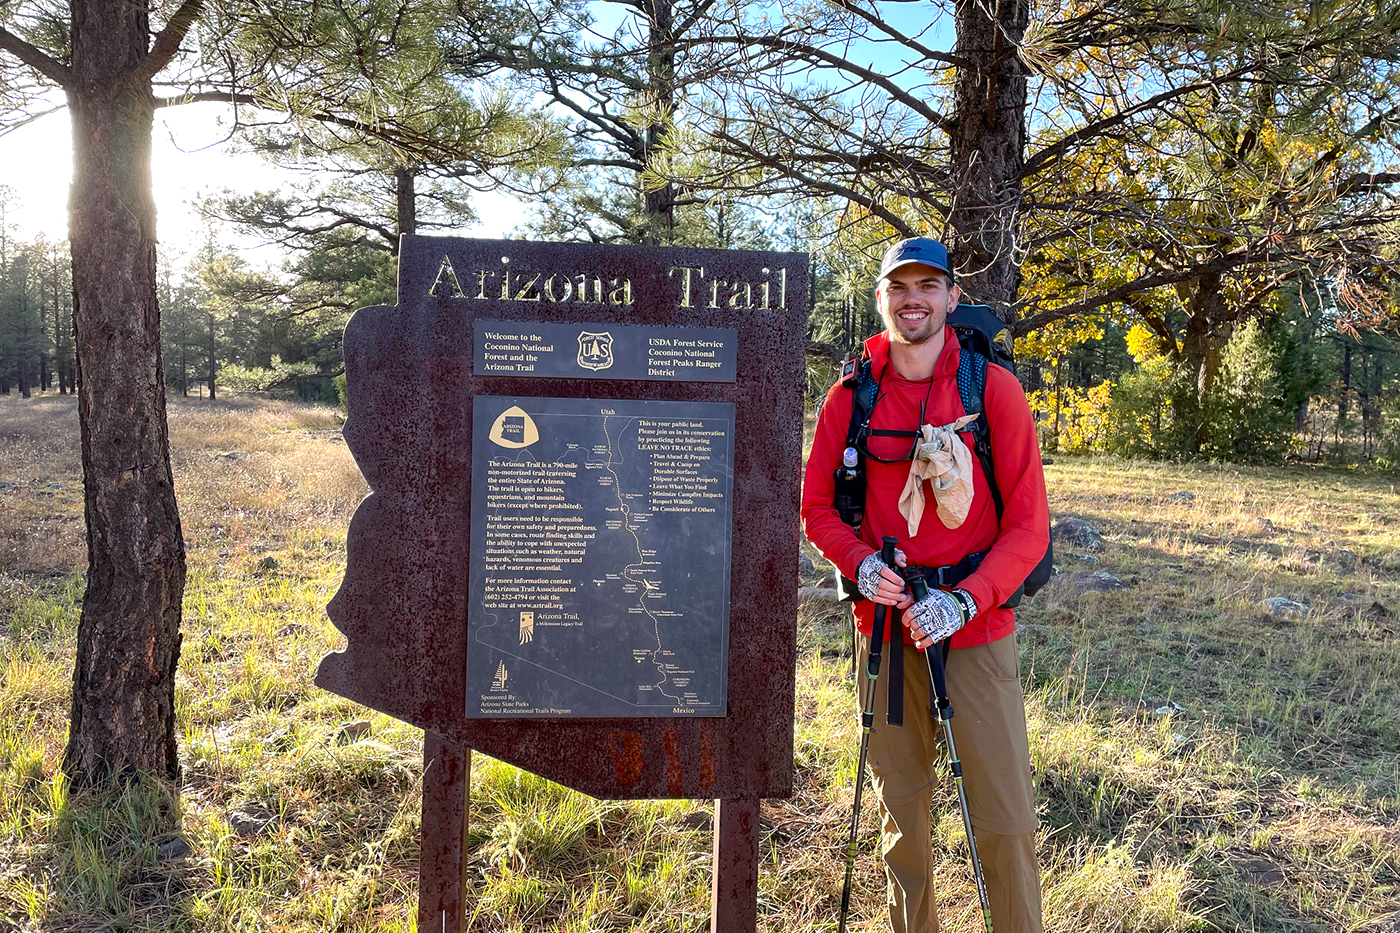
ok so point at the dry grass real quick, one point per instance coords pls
(1271, 802)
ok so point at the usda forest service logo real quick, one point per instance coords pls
(595, 350)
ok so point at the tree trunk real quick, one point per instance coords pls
(660, 204)
(1343, 400)
(988, 150)
(123, 718)
(1205, 335)
(407, 202)
(213, 358)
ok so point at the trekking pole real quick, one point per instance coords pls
(935, 657)
(867, 721)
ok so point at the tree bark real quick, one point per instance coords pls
(660, 204)
(123, 717)
(213, 358)
(405, 194)
(988, 143)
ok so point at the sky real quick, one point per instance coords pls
(191, 158)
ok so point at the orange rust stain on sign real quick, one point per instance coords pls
(626, 748)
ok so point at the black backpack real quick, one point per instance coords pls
(983, 337)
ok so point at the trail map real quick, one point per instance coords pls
(600, 549)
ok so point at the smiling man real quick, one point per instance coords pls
(972, 569)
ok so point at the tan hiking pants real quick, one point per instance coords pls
(989, 727)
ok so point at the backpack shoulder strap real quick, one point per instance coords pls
(864, 388)
(972, 389)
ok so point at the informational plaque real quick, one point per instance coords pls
(547, 349)
(601, 535)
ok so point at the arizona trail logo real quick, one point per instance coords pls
(595, 350)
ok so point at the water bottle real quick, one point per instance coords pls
(850, 488)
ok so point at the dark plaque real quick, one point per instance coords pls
(547, 349)
(602, 534)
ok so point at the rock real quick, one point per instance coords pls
(1183, 496)
(253, 820)
(1171, 708)
(1046, 461)
(1343, 559)
(1100, 581)
(350, 732)
(1283, 607)
(1272, 549)
(805, 564)
(1086, 558)
(231, 455)
(1263, 526)
(268, 563)
(698, 819)
(818, 593)
(1078, 532)
(175, 848)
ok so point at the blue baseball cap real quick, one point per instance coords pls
(920, 249)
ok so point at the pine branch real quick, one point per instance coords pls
(167, 44)
(35, 58)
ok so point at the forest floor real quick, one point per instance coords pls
(1203, 761)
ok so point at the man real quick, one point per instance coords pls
(915, 362)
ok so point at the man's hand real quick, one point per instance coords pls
(934, 618)
(881, 584)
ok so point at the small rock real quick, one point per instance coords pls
(4, 486)
(231, 455)
(1086, 558)
(268, 563)
(819, 593)
(1077, 532)
(1343, 559)
(699, 819)
(350, 732)
(253, 820)
(1272, 549)
(805, 564)
(1170, 709)
(1282, 606)
(1100, 581)
(1263, 526)
(175, 848)
(1376, 612)
(1183, 496)
(1046, 461)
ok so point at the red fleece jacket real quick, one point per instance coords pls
(1013, 551)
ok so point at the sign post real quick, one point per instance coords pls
(578, 554)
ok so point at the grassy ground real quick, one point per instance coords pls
(1270, 801)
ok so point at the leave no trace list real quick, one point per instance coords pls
(600, 547)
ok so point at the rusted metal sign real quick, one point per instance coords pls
(416, 380)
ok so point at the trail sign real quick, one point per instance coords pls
(579, 550)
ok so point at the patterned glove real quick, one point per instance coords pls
(868, 576)
(938, 615)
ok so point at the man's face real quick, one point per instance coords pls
(914, 301)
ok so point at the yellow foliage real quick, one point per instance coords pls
(1073, 420)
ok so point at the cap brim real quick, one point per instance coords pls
(913, 262)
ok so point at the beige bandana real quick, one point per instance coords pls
(943, 459)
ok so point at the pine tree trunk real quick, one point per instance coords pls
(988, 150)
(406, 196)
(213, 358)
(659, 204)
(123, 717)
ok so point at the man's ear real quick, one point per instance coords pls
(954, 296)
